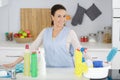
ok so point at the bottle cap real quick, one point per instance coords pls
(33, 52)
(26, 46)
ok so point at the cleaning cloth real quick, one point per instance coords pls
(93, 12)
(19, 68)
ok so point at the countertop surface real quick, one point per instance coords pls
(90, 46)
(53, 74)
(65, 74)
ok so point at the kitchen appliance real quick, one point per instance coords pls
(116, 28)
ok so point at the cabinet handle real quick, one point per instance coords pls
(94, 57)
(12, 56)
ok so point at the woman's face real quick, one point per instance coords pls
(59, 18)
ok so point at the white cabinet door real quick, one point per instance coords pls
(116, 61)
(10, 55)
(116, 3)
(99, 54)
(102, 55)
(3, 3)
(116, 33)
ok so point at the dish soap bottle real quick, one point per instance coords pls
(34, 65)
(27, 61)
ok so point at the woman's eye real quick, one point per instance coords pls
(64, 16)
(59, 16)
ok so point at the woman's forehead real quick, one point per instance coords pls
(61, 11)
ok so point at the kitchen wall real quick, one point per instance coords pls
(10, 17)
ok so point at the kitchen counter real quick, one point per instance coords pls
(53, 74)
(56, 74)
(65, 74)
(90, 46)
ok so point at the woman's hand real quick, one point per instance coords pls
(9, 65)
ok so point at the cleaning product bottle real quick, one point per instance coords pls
(34, 64)
(27, 61)
(78, 62)
(80, 66)
(41, 63)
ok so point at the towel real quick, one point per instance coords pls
(93, 12)
(19, 68)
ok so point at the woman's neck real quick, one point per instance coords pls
(55, 28)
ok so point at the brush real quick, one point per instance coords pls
(111, 54)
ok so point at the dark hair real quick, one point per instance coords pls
(55, 8)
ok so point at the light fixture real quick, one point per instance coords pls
(3, 3)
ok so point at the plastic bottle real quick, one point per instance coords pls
(89, 63)
(34, 64)
(41, 63)
(80, 67)
(27, 61)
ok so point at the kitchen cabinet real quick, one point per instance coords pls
(98, 54)
(116, 32)
(116, 3)
(10, 50)
(3, 3)
(10, 55)
(116, 61)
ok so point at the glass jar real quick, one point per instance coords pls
(92, 37)
(84, 39)
(107, 37)
(100, 36)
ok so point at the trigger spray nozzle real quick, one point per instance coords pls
(83, 50)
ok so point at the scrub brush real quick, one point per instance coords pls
(111, 54)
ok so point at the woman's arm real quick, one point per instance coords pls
(20, 59)
(74, 40)
(38, 41)
(76, 44)
(33, 46)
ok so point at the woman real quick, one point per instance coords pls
(58, 41)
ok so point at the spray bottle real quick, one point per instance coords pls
(27, 61)
(41, 63)
(80, 66)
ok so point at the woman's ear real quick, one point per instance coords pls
(52, 17)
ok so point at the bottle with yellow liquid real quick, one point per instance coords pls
(27, 61)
